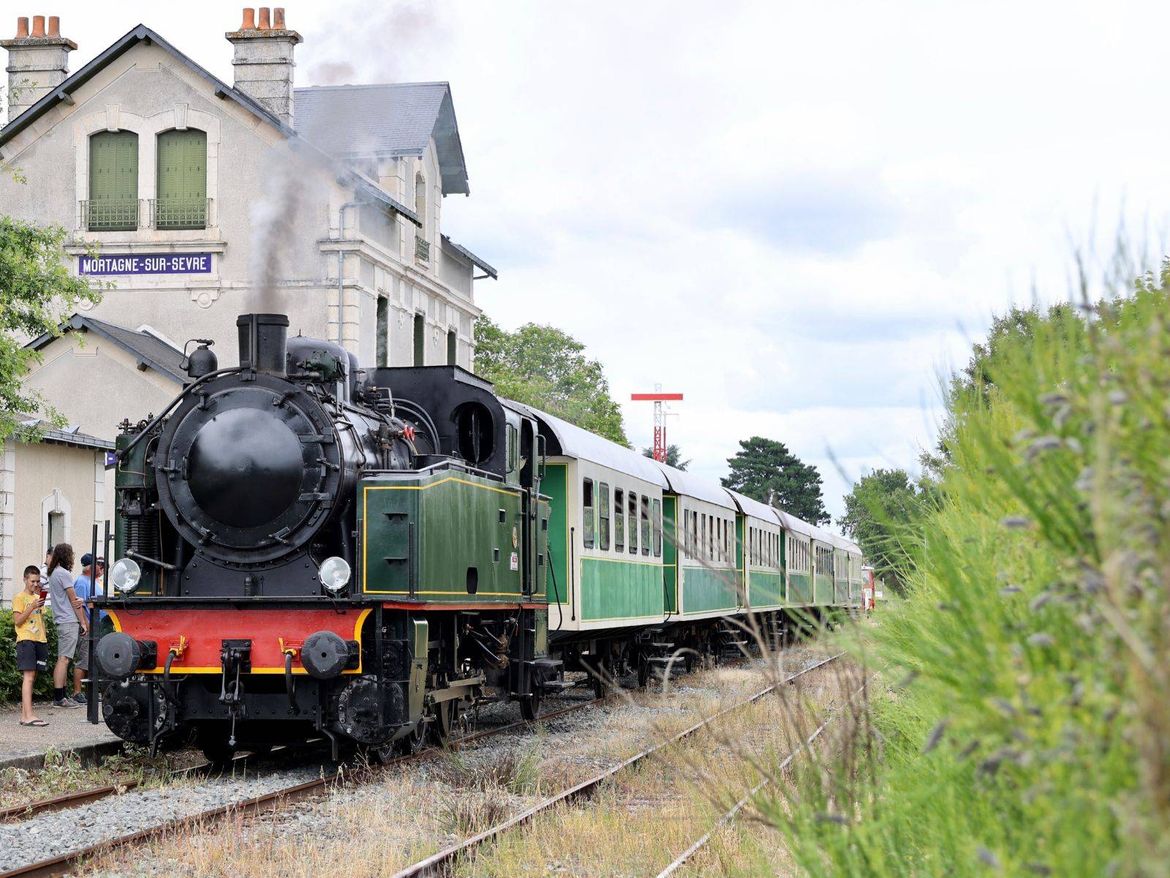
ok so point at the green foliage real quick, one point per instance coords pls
(766, 470)
(883, 512)
(10, 677)
(1030, 732)
(673, 457)
(546, 368)
(36, 293)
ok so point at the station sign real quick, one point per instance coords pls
(144, 263)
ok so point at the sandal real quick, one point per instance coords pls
(34, 722)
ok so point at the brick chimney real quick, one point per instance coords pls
(264, 60)
(38, 61)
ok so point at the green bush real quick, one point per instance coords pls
(9, 676)
(1027, 727)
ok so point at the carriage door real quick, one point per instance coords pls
(669, 553)
(529, 488)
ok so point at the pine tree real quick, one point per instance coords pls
(766, 470)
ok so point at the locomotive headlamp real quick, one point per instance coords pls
(125, 575)
(334, 574)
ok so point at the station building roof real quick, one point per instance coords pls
(147, 348)
(394, 119)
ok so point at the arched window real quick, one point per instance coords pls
(113, 182)
(182, 180)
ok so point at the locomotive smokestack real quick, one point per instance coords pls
(263, 339)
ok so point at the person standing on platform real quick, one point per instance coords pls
(86, 586)
(72, 624)
(32, 646)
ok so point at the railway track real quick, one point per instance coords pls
(84, 797)
(63, 863)
(445, 860)
(701, 842)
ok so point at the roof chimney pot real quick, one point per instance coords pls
(263, 61)
(38, 62)
(278, 18)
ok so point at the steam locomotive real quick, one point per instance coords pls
(309, 549)
(241, 510)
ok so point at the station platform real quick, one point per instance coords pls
(67, 730)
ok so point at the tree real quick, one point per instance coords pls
(1018, 323)
(673, 455)
(546, 368)
(767, 471)
(881, 513)
(36, 293)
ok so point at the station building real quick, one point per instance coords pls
(192, 201)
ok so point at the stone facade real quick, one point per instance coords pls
(288, 227)
(50, 490)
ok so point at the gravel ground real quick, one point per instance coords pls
(438, 801)
(56, 833)
(444, 797)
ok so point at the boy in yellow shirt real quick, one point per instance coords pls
(32, 646)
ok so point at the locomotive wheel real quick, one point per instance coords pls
(530, 706)
(440, 729)
(416, 741)
(382, 754)
(215, 747)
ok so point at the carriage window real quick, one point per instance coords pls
(694, 549)
(587, 522)
(657, 528)
(702, 535)
(645, 525)
(632, 521)
(603, 516)
(619, 521)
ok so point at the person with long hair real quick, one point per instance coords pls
(72, 625)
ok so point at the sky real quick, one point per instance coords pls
(799, 215)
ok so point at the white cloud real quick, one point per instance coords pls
(794, 213)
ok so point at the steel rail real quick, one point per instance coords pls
(83, 797)
(729, 815)
(443, 861)
(64, 862)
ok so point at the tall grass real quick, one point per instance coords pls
(1027, 730)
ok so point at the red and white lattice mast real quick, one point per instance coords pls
(658, 398)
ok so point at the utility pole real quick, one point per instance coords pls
(658, 398)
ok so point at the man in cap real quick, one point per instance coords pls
(86, 585)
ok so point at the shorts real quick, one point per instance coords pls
(32, 655)
(68, 637)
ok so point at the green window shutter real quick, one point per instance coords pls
(113, 181)
(182, 180)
